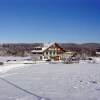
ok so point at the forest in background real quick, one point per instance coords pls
(24, 49)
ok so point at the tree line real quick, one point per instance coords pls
(23, 49)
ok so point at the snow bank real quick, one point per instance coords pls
(97, 59)
(4, 59)
(86, 61)
(14, 62)
(5, 68)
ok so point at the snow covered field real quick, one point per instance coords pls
(51, 82)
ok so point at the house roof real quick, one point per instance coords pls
(98, 53)
(43, 47)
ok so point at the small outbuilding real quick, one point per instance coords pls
(98, 52)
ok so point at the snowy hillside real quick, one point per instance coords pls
(51, 82)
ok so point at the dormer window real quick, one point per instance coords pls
(49, 48)
(58, 48)
(37, 48)
(55, 48)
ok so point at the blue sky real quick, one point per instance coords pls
(74, 21)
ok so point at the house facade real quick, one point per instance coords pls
(47, 51)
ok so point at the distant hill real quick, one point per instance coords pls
(24, 49)
(87, 48)
(18, 49)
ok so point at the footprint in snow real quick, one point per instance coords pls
(98, 89)
(80, 81)
(94, 82)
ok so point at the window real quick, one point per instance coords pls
(49, 48)
(55, 48)
(50, 53)
(44, 53)
(54, 53)
(34, 52)
(58, 48)
(40, 57)
(52, 48)
(37, 48)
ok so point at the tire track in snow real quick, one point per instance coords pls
(38, 97)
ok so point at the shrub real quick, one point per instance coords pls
(1, 63)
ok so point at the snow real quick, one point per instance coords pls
(97, 59)
(4, 59)
(94, 60)
(6, 68)
(19, 62)
(50, 81)
(43, 47)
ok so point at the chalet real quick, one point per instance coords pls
(48, 51)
